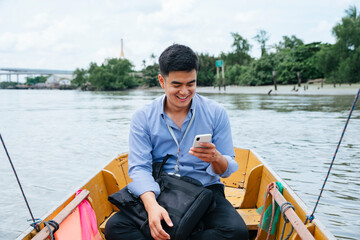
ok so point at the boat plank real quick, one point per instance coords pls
(234, 195)
(250, 217)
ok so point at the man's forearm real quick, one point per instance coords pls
(149, 200)
(220, 164)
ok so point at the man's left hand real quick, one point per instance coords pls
(209, 154)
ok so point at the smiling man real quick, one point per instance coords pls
(169, 125)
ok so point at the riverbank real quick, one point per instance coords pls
(314, 89)
(311, 89)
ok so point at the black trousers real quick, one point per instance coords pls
(221, 223)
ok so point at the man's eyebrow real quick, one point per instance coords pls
(176, 82)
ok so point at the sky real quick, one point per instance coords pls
(66, 35)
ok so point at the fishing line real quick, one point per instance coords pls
(311, 217)
(35, 223)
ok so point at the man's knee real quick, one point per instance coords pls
(117, 226)
(237, 230)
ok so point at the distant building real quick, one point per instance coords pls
(57, 80)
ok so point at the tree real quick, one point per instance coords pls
(150, 75)
(35, 80)
(262, 37)
(289, 43)
(240, 54)
(340, 62)
(207, 70)
(81, 77)
(113, 74)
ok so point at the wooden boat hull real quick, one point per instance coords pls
(245, 189)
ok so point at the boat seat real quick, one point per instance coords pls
(250, 217)
(234, 196)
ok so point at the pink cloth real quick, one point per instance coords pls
(89, 230)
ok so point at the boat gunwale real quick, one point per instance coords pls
(296, 197)
(291, 192)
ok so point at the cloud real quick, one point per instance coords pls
(68, 34)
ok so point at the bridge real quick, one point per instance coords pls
(30, 72)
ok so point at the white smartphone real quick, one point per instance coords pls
(201, 138)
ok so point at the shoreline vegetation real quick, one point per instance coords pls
(303, 90)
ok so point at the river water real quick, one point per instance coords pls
(59, 139)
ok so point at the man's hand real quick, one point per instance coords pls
(210, 155)
(156, 213)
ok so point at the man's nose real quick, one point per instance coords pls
(183, 90)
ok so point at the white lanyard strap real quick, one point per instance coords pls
(177, 143)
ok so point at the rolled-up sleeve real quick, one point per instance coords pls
(222, 139)
(140, 158)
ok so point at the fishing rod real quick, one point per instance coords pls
(311, 217)
(35, 223)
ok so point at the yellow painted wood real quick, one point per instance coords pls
(99, 195)
(252, 187)
(234, 195)
(125, 168)
(253, 161)
(309, 226)
(250, 217)
(111, 184)
(116, 173)
(115, 167)
(237, 179)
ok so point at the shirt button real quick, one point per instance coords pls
(182, 155)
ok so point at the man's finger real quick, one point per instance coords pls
(167, 219)
(160, 232)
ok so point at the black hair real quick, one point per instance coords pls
(178, 58)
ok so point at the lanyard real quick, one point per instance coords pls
(176, 141)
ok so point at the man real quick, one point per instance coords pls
(168, 126)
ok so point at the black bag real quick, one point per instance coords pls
(185, 199)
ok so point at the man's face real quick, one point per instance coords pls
(179, 88)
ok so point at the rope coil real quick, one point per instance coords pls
(53, 224)
(285, 206)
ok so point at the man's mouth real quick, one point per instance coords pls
(182, 98)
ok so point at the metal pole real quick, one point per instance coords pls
(218, 77)
(223, 77)
(274, 78)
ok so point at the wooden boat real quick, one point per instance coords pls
(245, 189)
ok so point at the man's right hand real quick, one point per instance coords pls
(156, 213)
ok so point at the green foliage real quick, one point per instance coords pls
(34, 80)
(150, 75)
(240, 54)
(289, 43)
(207, 70)
(340, 62)
(262, 37)
(113, 74)
(4, 85)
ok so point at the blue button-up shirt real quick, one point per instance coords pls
(150, 141)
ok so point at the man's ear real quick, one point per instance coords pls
(161, 81)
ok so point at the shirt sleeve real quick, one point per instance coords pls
(140, 158)
(222, 139)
